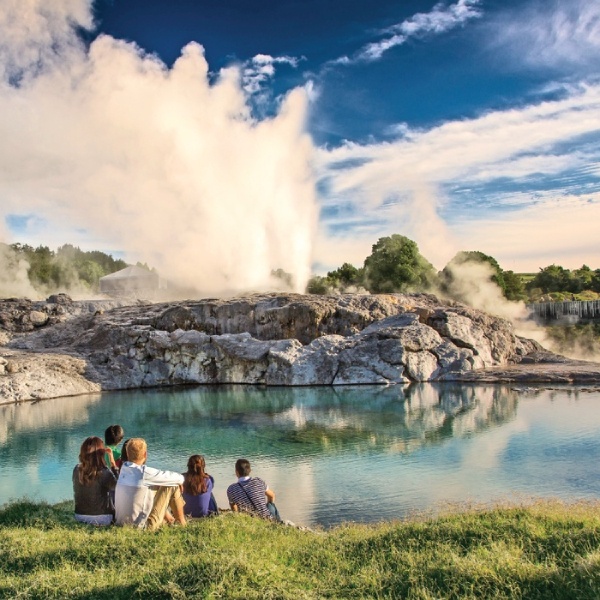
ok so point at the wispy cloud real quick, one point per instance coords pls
(550, 33)
(260, 70)
(410, 180)
(440, 19)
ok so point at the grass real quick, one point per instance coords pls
(547, 550)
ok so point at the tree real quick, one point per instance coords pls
(448, 274)
(346, 276)
(581, 279)
(318, 285)
(514, 288)
(91, 272)
(395, 265)
(67, 267)
(284, 276)
(553, 278)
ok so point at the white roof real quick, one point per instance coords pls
(132, 272)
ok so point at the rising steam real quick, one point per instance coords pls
(167, 165)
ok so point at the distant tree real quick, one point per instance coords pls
(448, 274)
(318, 285)
(42, 268)
(514, 288)
(287, 278)
(553, 278)
(595, 284)
(69, 266)
(91, 272)
(345, 276)
(395, 265)
(581, 279)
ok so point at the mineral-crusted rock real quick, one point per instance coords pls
(422, 366)
(38, 318)
(271, 339)
(361, 362)
(37, 376)
(22, 315)
(291, 363)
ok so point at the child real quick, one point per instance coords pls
(113, 436)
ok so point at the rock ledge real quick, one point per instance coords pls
(270, 339)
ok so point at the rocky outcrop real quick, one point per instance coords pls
(21, 315)
(275, 339)
(27, 376)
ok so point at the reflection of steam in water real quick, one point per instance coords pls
(297, 420)
(413, 446)
(48, 414)
(399, 419)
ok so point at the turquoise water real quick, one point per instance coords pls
(331, 454)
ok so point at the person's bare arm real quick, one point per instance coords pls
(109, 451)
(270, 494)
(233, 506)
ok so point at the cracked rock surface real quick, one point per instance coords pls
(269, 339)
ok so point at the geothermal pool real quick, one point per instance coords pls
(331, 454)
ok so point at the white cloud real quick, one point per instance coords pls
(260, 69)
(440, 19)
(563, 230)
(550, 33)
(160, 163)
(404, 180)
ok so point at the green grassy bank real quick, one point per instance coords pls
(544, 551)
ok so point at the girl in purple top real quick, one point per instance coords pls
(197, 489)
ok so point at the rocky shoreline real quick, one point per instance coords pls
(64, 347)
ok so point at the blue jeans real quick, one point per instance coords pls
(274, 512)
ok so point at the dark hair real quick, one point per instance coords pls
(124, 457)
(195, 480)
(242, 467)
(91, 460)
(113, 435)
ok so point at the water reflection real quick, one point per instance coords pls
(295, 420)
(409, 446)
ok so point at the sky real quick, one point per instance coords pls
(219, 140)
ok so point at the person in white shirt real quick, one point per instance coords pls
(143, 494)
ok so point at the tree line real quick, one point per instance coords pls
(67, 267)
(396, 265)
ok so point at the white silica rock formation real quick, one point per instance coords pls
(268, 339)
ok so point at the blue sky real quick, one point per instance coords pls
(465, 125)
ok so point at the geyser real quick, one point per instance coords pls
(165, 164)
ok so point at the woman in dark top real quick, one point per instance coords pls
(197, 489)
(92, 482)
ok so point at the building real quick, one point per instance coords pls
(132, 281)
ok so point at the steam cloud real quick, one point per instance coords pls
(14, 280)
(167, 165)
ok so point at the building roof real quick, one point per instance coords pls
(132, 272)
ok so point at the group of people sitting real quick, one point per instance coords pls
(115, 485)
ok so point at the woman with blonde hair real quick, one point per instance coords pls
(197, 489)
(92, 483)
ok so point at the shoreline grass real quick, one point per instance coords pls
(546, 550)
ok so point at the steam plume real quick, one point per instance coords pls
(165, 164)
